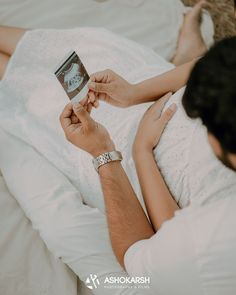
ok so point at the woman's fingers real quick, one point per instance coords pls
(167, 115)
(96, 104)
(91, 97)
(99, 87)
(101, 82)
(101, 76)
(157, 108)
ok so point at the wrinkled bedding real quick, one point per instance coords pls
(33, 269)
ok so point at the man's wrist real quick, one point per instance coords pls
(108, 168)
(100, 151)
(106, 158)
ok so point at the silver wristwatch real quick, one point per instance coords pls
(107, 158)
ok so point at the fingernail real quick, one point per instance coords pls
(168, 95)
(173, 107)
(91, 85)
(76, 105)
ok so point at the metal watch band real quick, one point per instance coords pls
(107, 158)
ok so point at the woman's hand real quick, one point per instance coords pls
(111, 88)
(152, 125)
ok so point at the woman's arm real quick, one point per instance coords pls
(159, 203)
(113, 89)
(171, 81)
(158, 200)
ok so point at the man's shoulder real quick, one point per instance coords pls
(197, 242)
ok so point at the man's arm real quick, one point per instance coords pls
(127, 221)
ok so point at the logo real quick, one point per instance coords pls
(92, 282)
(111, 282)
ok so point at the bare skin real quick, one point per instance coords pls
(191, 44)
(9, 37)
(4, 59)
(122, 205)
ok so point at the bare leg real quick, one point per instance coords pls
(9, 37)
(191, 44)
(3, 63)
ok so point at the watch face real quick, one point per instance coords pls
(72, 75)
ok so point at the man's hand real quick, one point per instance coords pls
(111, 88)
(152, 126)
(82, 131)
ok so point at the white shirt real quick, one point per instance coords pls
(194, 252)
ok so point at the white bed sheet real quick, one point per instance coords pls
(18, 241)
(42, 44)
(153, 23)
(26, 266)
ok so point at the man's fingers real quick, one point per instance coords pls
(74, 119)
(74, 127)
(65, 117)
(85, 100)
(168, 114)
(83, 115)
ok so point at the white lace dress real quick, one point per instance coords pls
(35, 100)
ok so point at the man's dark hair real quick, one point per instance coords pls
(211, 93)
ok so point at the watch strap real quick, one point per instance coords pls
(107, 158)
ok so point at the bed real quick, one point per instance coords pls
(35, 270)
(25, 260)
